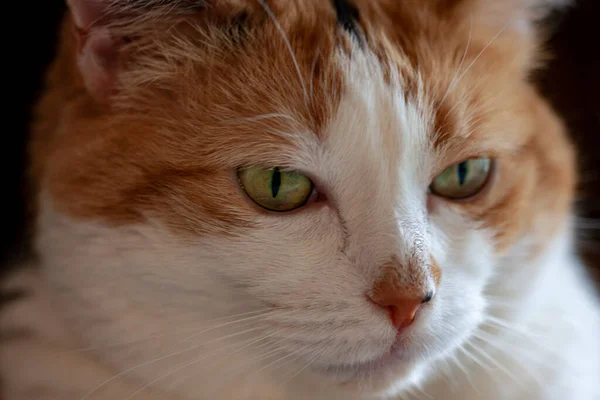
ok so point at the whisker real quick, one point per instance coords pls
(496, 363)
(501, 300)
(252, 318)
(288, 45)
(498, 323)
(485, 367)
(203, 323)
(523, 349)
(451, 86)
(423, 392)
(518, 361)
(449, 371)
(279, 360)
(464, 96)
(232, 373)
(306, 365)
(180, 367)
(236, 351)
(265, 355)
(411, 391)
(484, 49)
(120, 374)
(456, 361)
(256, 358)
(476, 359)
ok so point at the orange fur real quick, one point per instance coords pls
(165, 145)
(176, 127)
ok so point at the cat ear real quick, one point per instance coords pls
(520, 16)
(86, 12)
(513, 28)
(541, 8)
(97, 48)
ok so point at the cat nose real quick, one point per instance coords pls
(401, 308)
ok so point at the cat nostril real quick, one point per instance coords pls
(428, 297)
(402, 310)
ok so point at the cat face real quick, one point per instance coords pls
(422, 173)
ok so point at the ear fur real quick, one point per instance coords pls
(86, 12)
(512, 27)
(521, 15)
(97, 48)
(102, 27)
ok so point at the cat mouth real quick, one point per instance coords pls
(393, 359)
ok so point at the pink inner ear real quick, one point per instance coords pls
(97, 48)
(97, 62)
(86, 12)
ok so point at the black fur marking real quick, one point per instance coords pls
(347, 18)
(237, 27)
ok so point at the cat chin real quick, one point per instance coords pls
(376, 376)
(381, 378)
(404, 365)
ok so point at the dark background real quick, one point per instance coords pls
(30, 47)
(571, 82)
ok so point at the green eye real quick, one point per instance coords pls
(275, 189)
(463, 180)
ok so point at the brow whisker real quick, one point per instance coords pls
(464, 96)
(484, 49)
(451, 86)
(288, 45)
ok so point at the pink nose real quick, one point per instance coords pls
(402, 309)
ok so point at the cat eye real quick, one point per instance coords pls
(275, 189)
(462, 180)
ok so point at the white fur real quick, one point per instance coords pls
(137, 293)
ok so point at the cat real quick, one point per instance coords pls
(301, 199)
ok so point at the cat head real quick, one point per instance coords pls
(368, 173)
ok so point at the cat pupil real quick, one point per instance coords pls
(275, 182)
(462, 172)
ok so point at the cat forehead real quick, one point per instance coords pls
(289, 67)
